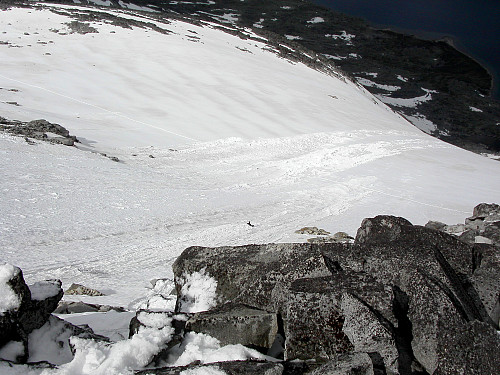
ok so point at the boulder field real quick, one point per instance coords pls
(400, 299)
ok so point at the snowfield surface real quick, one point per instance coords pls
(212, 132)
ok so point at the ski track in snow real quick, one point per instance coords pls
(278, 144)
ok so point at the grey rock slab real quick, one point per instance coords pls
(473, 348)
(68, 307)
(430, 269)
(315, 318)
(237, 324)
(486, 281)
(369, 333)
(492, 232)
(38, 311)
(255, 275)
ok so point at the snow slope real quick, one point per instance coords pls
(212, 131)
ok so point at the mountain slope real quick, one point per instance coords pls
(310, 147)
(438, 88)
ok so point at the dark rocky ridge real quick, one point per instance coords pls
(459, 85)
(402, 299)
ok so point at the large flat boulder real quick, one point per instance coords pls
(254, 275)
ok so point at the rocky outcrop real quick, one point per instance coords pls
(38, 129)
(68, 307)
(81, 289)
(402, 299)
(312, 230)
(482, 227)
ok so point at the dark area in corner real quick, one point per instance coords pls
(471, 25)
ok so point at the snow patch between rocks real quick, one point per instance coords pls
(198, 292)
(98, 358)
(207, 349)
(12, 350)
(316, 20)
(369, 83)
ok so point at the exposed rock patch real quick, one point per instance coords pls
(312, 230)
(65, 307)
(38, 129)
(82, 290)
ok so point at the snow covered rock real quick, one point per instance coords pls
(159, 320)
(23, 309)
(51, 342)
(237, 324)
